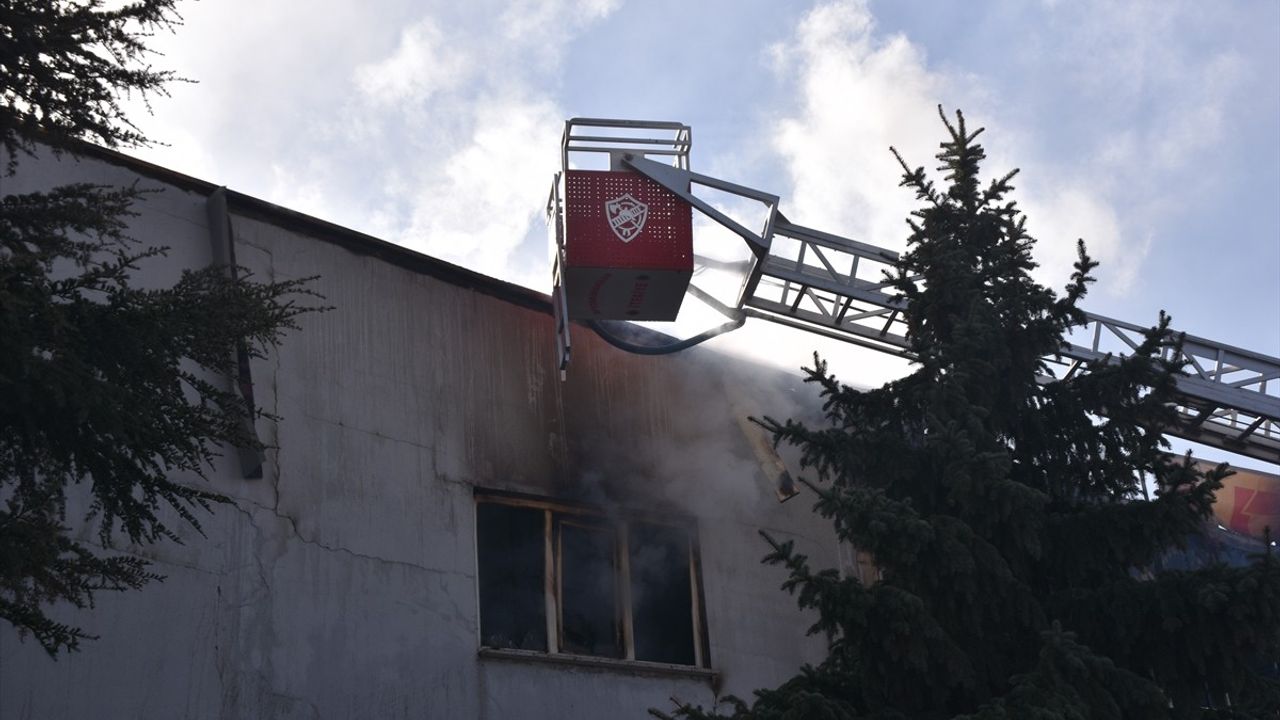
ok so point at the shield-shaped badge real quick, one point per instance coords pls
(626, 216)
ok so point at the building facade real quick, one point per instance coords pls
(442, 528)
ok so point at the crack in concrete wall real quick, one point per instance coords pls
(346, 584)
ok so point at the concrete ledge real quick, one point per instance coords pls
(632, 667)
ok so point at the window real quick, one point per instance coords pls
(571, 581)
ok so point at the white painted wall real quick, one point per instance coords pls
(343, 584)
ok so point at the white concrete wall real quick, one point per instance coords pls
(343, 584)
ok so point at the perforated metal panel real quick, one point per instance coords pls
(625, 220)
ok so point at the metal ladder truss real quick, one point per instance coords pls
(834, 286)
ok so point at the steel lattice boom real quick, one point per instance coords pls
(834, 286)
(1230, 398)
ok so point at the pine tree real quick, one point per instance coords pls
(106, 390)
(1007, 510)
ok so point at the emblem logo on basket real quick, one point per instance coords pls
(626, 216)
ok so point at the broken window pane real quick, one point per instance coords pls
(605, 580)
(661, 594)
(588, 591)
(512, 594)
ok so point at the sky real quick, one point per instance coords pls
(1150, 129)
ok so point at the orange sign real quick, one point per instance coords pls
(1249, 502)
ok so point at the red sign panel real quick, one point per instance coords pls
(625, 220)
(628, 246)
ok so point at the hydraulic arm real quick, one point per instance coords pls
(834, 286)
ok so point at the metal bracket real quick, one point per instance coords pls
(222, 243)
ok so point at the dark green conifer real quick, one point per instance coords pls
(107, 390)
(1007, 510)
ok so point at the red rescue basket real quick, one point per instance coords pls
(628, 247)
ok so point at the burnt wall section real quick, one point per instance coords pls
(343, 582)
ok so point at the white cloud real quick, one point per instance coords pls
(478, 205)
(431, 124)
(471, 106)
(1075, 212)
(1195, 121)
(422, 65)
(859, 94)
(861, 90)
(1155, 105)
(540, 22)
(435, 124)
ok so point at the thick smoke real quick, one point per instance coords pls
(675, 435)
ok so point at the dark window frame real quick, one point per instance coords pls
(618, 524)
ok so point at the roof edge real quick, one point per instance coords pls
(352, 240)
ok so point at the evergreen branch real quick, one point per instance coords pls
(66, 64)
(122, 387)
(992, 502)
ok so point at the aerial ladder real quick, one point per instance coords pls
(827, 284)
